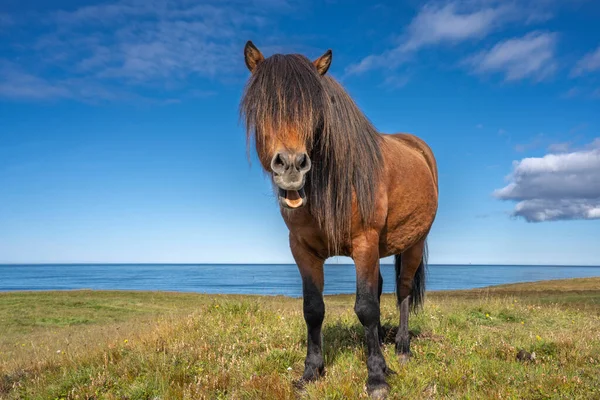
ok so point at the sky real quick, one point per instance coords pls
(120, 139)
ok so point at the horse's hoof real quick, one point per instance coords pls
(378, 390)
(309, 377)
(300, 384)
(403, 358)
(380, 393)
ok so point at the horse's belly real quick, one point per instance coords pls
(397, 239)
(411, 197)
(409, 221)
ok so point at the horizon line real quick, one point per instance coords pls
(256, 263)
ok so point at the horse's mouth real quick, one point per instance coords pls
(292, 198)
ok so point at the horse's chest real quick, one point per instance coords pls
(304, 227)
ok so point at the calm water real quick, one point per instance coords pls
(258, 279)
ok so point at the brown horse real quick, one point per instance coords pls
(343, 189)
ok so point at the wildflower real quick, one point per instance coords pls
(57, 351)
(289, 368)
(538, 337)
(487, 315)
(522, 322)
(125, 341)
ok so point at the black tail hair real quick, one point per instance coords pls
(417, 293)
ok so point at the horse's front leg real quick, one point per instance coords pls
(380, 328)
(366, 258)
(311, 271)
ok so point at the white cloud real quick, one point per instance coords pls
(540, 210)
(589, 63)
(557, 186)
(17, 84)
(450, 23)
(582, 92)
(395, 81)
(135, 44)
(388, 60)
(531, 56)
(141, 41)
(595, 144)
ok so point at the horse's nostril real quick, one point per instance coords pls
(278, 164)
(279, 161)
(303, 162)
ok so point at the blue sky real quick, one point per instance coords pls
(120, 141)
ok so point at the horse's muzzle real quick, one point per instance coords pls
(289, 174)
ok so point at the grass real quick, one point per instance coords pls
(147, 345)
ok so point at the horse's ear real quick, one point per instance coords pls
(252, 56)
(322, 63)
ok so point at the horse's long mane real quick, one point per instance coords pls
(286, 92)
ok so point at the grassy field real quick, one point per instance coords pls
(147, 345)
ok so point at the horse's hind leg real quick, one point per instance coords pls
(366, 259)
(311, 271)
(410, 285)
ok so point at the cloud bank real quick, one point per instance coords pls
(563, 186)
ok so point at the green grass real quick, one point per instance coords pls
(147, 345)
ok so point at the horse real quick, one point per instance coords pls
(343, 189)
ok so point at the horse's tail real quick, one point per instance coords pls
(417, 293)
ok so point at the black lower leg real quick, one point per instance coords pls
(314, 313)
(380, 328)
(367, 310)
(403, 336)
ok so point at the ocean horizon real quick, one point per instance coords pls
(263, 279)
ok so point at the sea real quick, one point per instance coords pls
(264, 279)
